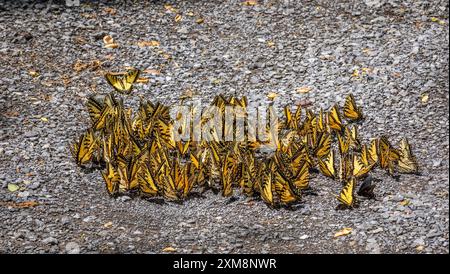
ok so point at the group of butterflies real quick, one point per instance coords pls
(138, 152)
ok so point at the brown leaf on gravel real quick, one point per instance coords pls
(178, 18)
(79, 66)
(250, 2)
(10, 113)
(111, 46)
(303, 89)
(33, 73)
(343, 232)
(152, 43)
(111, 11)
(152, 71)
(26, 204)
(199, 20)
(142, 80)
(169, 249)
(108, 39)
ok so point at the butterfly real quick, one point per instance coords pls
(301, 180)
(334, 119)
(323, 144)
(226, 174)
(266, 188)
(84, 149)
(388, 155)
(128, 169)
(326, 166)
(111, 178)
(147, 184)
(366, 188)
(95, 107)
(123, 83)
(346, 196)
(343, 144)
(407, 163)
(283, 189)
(359, 168)
(345, 167)
(351, 111)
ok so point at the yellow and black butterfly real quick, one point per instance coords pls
(123, 83)
(147, 184)
(326, 166)
(407, 163)
(388, 155)
(301, 180)
(283, 189)
(359, 168)
(373, 151)
(351, 111)
(266, 188)
(343, 144)
(345, 167)
(112, 179)
(346, 196)
(226, 174)
(84, 149)
(334, 119)
(95, 107)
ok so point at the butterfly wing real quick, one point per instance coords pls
(351, 111)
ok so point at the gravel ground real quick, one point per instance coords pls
(401, 55)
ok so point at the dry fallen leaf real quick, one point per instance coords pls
(108, 225)
(270, 44)
(178, 18)
(250, 2)
(108, 39)
(26, 204)
(355, 73)
(142, 80)
(425, 98)
(110, 11)
(303, 89)
(199, 20)
(13, 187)
(79, 66)
(111, 46)
(152, 71)
(33, 73)
(420, 248)
(343, 232)
(11, 113)
(170, 8)
(169, 249)
(190, 13)
(44, 119)
(272, 95)
(152, 43)
(405, 202)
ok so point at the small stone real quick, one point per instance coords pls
(34, 185)
(50, 240)
(23, 194)
(89, 219)
(183, 30)
(72, 248)
(124, 198)
(437, 162)
(375, 231)
(304, 237)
